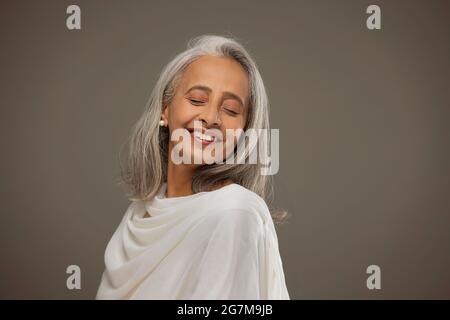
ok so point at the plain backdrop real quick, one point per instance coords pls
(364, 135)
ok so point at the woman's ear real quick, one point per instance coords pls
(165, 114)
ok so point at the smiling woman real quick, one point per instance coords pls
(198, 230)
(213, 90)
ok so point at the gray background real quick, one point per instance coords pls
(363, 118)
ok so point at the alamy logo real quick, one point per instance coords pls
(74, 280)
(374, 20)
(201, 146)
(374, 280)
(73, 22)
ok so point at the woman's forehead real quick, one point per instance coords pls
(216, 73)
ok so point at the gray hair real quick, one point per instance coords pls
(147, 160)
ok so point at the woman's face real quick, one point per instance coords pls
(213, 93)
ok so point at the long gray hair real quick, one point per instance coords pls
(147, 160)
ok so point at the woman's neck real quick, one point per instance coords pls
(179, 180)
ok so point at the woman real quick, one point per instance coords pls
(198, 229)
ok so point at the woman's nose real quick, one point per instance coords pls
(211, 115)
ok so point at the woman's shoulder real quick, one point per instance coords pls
(237, 201)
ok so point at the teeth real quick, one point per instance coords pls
(202, 136)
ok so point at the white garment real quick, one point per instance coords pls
(220, 244)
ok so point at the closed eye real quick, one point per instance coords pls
(195, 102)
(198, 102)
(232, 112)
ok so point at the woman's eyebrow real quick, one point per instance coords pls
(199, 87)
(231, 95)
(226, 94)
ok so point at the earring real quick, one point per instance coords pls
(162, 123)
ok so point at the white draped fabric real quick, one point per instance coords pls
(220, 244)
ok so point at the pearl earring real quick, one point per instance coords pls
(162, 123)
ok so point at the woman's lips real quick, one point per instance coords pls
(203, 139)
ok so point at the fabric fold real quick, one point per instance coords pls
(220, 244)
